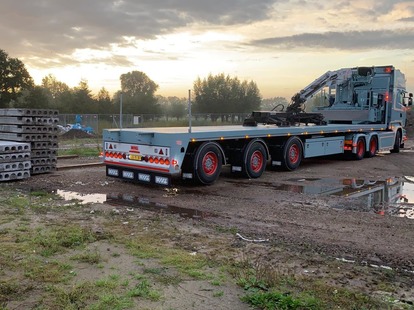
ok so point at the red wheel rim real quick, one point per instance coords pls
(210, 163)
(360, 148)
(294, 154)
(256, 161)
(373, 146)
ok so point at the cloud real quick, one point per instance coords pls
(350, 40)
(407, 19)
(60, 26)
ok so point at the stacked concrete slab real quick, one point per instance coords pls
(14, 161)
(38, 128)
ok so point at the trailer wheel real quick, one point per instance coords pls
(207, 163)
(292, 153)
(397, 143)
(360, 149)
(373, 147)
(254, 160)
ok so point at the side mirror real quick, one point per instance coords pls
(410, 99)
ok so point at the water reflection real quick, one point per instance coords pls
(394, 196)
(82, 198)
(133, 201)
(145, 203)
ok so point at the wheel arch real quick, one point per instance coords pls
(355, 138)
(368, 138)
(208, 143)
(252, 142)
(302, 145)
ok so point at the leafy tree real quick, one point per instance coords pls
(138, 93)
(66, 104)
(83, 99)
(172, 106)
(14, 78)
(36, 98)
(178, 107)
(275, 103)
(105, 105)
(54, 86)
(223, 94)
(56, 90)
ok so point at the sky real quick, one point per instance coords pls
(281, 45)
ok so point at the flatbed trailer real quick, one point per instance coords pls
(161, 153)
(156, 155)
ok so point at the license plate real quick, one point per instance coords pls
(135, 157)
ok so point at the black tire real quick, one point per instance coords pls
(292, 153)
(397, 143)
(360, 151)
(207, 163)
(254, 160)
(373, 147)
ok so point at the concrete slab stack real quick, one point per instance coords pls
(38, 127)
(15, 161)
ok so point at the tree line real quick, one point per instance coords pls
(218, 94)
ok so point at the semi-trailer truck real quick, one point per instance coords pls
(364, 112)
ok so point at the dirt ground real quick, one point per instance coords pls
(288, 219)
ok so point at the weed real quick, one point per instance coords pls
(156, 271)
(110, 282)
(143, 289)
(272, 288)
(8, 290)
(215, 282)
(232, 230)
(90, 257)
(277, 300)
(188, 264)
(112, 302)
(80, 151)
(144, 249)
(40, 270)
(56, 240)
(218, 294)
(75, 297)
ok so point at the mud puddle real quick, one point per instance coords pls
(392, 196)
(133, 201)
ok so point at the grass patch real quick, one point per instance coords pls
(80, 147)
(191, 265)
(143, 290)
(277, 300)
(113, 302)
(40, 270)
(218, 294)
(56, 240)
(267, 287)
(8, 290)
(75, 297)
(81, 151)
(110, 282)
(90, 257)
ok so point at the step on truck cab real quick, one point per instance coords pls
(360, 111)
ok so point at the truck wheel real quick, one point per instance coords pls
(254, 160)
(207, 163)
(360, 149)
(397, 143)
(292, 153)
(373, 147)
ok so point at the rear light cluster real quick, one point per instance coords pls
(156, 160)
(148, 159)
(115, 155)
(348, 145)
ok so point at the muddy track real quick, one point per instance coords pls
(329, 225)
